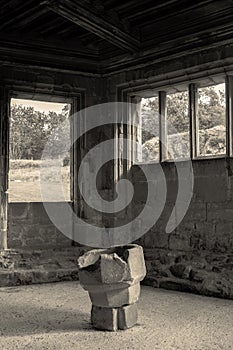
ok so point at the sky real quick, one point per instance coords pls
(40, 106)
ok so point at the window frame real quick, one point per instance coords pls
(77, 101)
(42, 98)
(192, 89)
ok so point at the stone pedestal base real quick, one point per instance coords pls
(112, 278)
(112, 319)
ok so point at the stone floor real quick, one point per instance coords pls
(56, 316)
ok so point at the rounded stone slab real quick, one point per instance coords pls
(116, 297)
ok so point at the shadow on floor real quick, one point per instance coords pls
(25, 320)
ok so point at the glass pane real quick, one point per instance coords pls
(150, 129)
(212, 121)
(31, 124)
(178, 125)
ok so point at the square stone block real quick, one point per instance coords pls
(116, 297)
(127, 316)
(135, 260)
(103, 269)
(112, 319)
(90, 258)
(113, 269)
(104, 318)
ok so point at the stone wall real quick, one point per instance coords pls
(29, 227)
(198, 255)
(25, 266)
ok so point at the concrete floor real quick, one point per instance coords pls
(56, 316)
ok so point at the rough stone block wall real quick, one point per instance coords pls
(30, 228)
(198, 255)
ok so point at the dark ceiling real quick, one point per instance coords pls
(90, 35)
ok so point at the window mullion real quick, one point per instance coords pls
(163, 152)
(229, 115)
(194, 122)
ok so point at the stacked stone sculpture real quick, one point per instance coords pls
(112, 278)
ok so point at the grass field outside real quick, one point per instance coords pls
(24, 181)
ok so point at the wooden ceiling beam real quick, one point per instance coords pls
(49, 25)
(118, 5)
(53, 28)
(66, 30)
(28, 18)
(79, 14)
(176, 12)
(149, 9)
(41, 53)
(24, 16)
